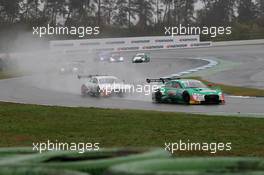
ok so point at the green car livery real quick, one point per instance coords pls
(141, 58)
(186, 91)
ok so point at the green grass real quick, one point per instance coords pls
(6, 75)
(20, 125)
(235, 90)
(3, 75)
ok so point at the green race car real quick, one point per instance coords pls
(185, 91)
(141, 58)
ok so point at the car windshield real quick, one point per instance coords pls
(194, 84)
(104, 54)
(75, 64)
(115, 55)
(109, 80)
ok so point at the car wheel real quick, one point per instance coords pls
(186, 97)
(97, 93)
(121, 94)
(156, 97)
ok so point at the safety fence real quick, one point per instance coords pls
(129, 44)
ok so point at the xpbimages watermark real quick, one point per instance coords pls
(80, 147)
(80, 31)
(129, 88)
(212, 148)
(192, 30)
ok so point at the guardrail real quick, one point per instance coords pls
(129, 44)
(237, 43)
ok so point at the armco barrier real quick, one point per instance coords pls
(129, 44)
(125, 41)
(141, 48)
(237, 43)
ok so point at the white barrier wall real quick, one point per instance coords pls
(130, 43)
(238, 43)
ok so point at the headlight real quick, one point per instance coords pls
(121, 58)
(112, 59)
(198, 97)
(62, 69)
(75, 69)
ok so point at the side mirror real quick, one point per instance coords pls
(148, 80)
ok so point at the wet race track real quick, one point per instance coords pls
(237, 65)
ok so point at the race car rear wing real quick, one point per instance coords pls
(162, 80)
(83, 76)
(155, 80)
(88, 76)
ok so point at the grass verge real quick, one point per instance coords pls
(20, 125)
(235, 90)
(6, 75)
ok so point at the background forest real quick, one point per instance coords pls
(123, 18)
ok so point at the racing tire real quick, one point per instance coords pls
(157, 97)
(121, 95)
(186, 97)
(97, 93)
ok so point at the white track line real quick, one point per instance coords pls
(243, 97)
(211, 63)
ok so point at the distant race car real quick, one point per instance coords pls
(186, 91)
(141, 58)
(110, 57)
(103, 85)
(116, 57)
(71, 68)
(102, 56)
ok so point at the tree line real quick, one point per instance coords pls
(137, 17)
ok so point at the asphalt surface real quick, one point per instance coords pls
(50, 88)
(249, 72)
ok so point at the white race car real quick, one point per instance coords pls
(109, 57)
(116, 57)
(103, 85)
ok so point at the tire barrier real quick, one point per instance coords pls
(15, 151)
(6, 153)
(192, 166)
(36, 171)
(95, 162)
(118, 161)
